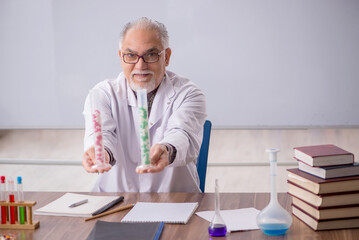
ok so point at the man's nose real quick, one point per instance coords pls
(141, 64)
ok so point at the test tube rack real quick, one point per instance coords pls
(29, 223)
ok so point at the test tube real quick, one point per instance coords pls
(11, 199)
(20, 195)
(3, 199)
(144, 134)
(101, 162)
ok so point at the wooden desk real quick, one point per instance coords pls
(53, 228)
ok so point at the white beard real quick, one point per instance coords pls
(149, 86)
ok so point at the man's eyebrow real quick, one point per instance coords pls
(154, 49)
(130, 50)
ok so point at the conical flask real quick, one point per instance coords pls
(274, 219)
(217, 227)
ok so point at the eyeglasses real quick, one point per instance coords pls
(147, 58)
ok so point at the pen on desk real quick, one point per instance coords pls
(108, 206)
(159, 231)
(78, 203)
(112, 211)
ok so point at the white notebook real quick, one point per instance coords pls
(60, 207)
(161, 212)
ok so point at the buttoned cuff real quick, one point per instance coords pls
(112, 159)
(172, 151)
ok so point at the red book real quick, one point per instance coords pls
(326, 213)
(323, 200)
(315, 224)
(323, 155)
(318, 185)
(331, 171)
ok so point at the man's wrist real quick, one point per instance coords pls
(112, 160)
(172, 151)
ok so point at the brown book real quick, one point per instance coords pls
(320, 186)
(323, 155)
(330, 171)
(325, 213)
(323, 200)
(325, 224)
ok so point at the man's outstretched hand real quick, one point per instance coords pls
(159, 159)
(89, 160)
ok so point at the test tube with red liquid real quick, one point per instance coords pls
(11, 199)
(3, 199)
(101, 162)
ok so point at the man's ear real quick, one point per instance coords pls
(119, 52)
(168, 56)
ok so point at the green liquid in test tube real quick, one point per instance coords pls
(20, 199)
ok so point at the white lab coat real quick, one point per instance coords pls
(177, 117)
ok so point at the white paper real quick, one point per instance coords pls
(60, 207)
(236, 219)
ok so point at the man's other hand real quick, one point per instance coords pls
(89, 160)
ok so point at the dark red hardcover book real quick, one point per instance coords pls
(323, 200)
(323, 155)
(318, 185)
(330, 171)
(326, 213)
(340, 223)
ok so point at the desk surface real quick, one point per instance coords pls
(54, 228)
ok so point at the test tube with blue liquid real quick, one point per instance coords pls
(274, 219)
(217, 227)
(143, 127)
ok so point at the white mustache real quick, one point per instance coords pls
(141, 72)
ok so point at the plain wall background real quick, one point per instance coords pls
(279, 63)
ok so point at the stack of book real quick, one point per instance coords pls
(325, 187)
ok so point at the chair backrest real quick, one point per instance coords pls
(203, 155)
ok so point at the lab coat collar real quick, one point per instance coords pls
(131, 97)
(160, 104)
(162, 100)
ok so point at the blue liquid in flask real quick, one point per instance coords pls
(274, 229)
(274, 219)
(217, 230)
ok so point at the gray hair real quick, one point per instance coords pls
(146, 23)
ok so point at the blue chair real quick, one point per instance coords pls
(203, 155)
